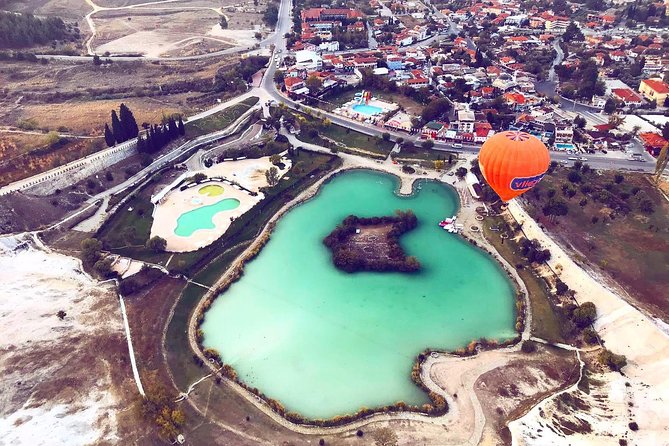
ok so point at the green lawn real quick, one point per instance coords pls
(352, 139)
(220, 120)
(546, 321)
(427, 155)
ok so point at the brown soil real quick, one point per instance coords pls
(147, 312)
(372, 242)
(506, 393)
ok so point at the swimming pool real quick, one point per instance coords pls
(564, 146)
(365, 109)
(202, 217)
(211, 190)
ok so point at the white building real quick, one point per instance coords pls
(308, 60)
(466, 120)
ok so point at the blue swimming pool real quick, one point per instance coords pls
(563, 146)
(369, 110)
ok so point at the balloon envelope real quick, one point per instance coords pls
(513, 162)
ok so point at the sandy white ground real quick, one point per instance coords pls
(249, 173)
(626, 331)
(42, 401)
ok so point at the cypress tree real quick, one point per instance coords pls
(141, 144)
(117, 130)
(109, 136)
(182, 128)
(172, 129)
(128, 122)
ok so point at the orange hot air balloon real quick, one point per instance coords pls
(513, 162)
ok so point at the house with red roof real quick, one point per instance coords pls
(626, 96)
(654, 90)
(652, 142)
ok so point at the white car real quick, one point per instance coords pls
(457, 146)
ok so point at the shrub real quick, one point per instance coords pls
(634, 426)
(156, 244)
(585, 314)
(590, 336)
(359, 433)
(528, 347)
(613, 361)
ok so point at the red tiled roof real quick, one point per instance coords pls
(657, 85)
(652, 140)
(626, 94)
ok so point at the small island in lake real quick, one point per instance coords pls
(372, 244)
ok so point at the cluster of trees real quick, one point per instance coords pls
(582, 81)
(650, 12)
(271, 15)
(533, 251)
(123, 126)
(436, 109)
(349, 259)
(350, 39)
(158, 136)
(236, 79)
(91, 257)
(24, 30)
(573, 33)
(382, 83)
(159, 408)
(613, 361)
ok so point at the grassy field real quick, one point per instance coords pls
(425, 155)
(352, 139)
(220, 120)
(617, 225)
(545, 321)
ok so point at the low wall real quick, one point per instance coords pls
(70, 173)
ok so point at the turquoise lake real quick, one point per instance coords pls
(202, 217)
(326, 343)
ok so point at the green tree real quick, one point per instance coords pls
(613, 361)
(460, 172)
(272, 176)
(275, 159)
(128, 123)
(386, 136)
(427, 144)
(156, 244)
(223, 22)
(117, 130)
(53, 139)
(610, 106)
(313, 83)
(90, 251)
(181, 126)
(109, 136)
(584, 314)
(572, 33)
(61, 314)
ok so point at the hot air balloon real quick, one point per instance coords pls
(513, 162)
